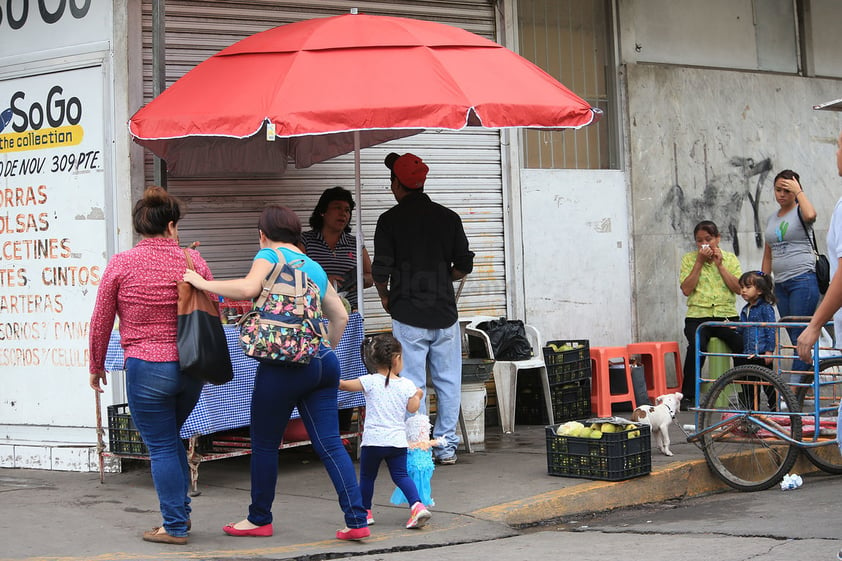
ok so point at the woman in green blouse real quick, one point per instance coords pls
(710, 281)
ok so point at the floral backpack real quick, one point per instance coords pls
(285, 325)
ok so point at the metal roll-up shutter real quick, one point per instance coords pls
(465, 167)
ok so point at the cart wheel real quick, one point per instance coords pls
(737, 447)
(827, 458)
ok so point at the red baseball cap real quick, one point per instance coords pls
(410, 170)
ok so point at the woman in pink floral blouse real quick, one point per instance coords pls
(139, 286)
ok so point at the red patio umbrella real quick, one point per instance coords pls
(297, 92)
(308, 91)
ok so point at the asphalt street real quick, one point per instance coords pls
(799, 525)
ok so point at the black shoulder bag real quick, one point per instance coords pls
(202, 347)
(822, 264)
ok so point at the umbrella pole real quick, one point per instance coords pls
(358, 222)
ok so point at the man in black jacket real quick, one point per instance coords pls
(420, 248)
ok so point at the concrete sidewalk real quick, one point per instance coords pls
(486, 495)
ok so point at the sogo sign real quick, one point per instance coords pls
(58, 111)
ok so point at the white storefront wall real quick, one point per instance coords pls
(576, 255)
(56, 157)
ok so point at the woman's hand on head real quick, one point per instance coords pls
(790, 185)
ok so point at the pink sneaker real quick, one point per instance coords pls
(418, 516)
(369, 517)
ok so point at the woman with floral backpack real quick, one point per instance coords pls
(278, 388)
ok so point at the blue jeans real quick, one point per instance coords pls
(277, 390)
(160, 400)
(370, 458)
(441, 349)
(797, 296)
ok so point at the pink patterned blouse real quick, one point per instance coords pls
(138, 285)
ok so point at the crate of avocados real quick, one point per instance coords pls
(598, 449)
(567, 361)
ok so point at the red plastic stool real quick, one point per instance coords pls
(654, 357)
(601, 396)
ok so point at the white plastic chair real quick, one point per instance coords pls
(505, 372)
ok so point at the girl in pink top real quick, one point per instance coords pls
(139, 286)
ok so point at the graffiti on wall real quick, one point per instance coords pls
(721, 198)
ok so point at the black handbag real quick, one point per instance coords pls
(822, 264)
(202, 348)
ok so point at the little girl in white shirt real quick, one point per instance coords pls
(388, 398)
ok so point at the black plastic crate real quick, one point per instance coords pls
(568, 366)
(123, 436)
(529, 405)
(613, 457)
(477, 370)
(571, 401)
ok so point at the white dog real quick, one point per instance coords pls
(658, 417)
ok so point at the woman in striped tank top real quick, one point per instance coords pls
(332, 246)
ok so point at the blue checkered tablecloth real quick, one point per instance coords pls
(228, 406)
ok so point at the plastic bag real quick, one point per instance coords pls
(508, 339)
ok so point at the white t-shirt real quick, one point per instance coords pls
(385, 410)
(834, 252)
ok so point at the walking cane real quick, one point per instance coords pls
(100, 445)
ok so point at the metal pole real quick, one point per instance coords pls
(358, 222)
(159, 72)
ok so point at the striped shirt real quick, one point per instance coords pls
(341, 260)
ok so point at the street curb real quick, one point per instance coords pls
(678, 480)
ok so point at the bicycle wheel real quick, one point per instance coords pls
(827, 458)
(737, 447)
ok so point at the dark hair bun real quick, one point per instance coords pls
(155, 196)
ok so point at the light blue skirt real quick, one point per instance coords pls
(419, 466)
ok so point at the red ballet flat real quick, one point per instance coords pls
(260, 532)
(353, 533)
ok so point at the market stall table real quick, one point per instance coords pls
(226, 407)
